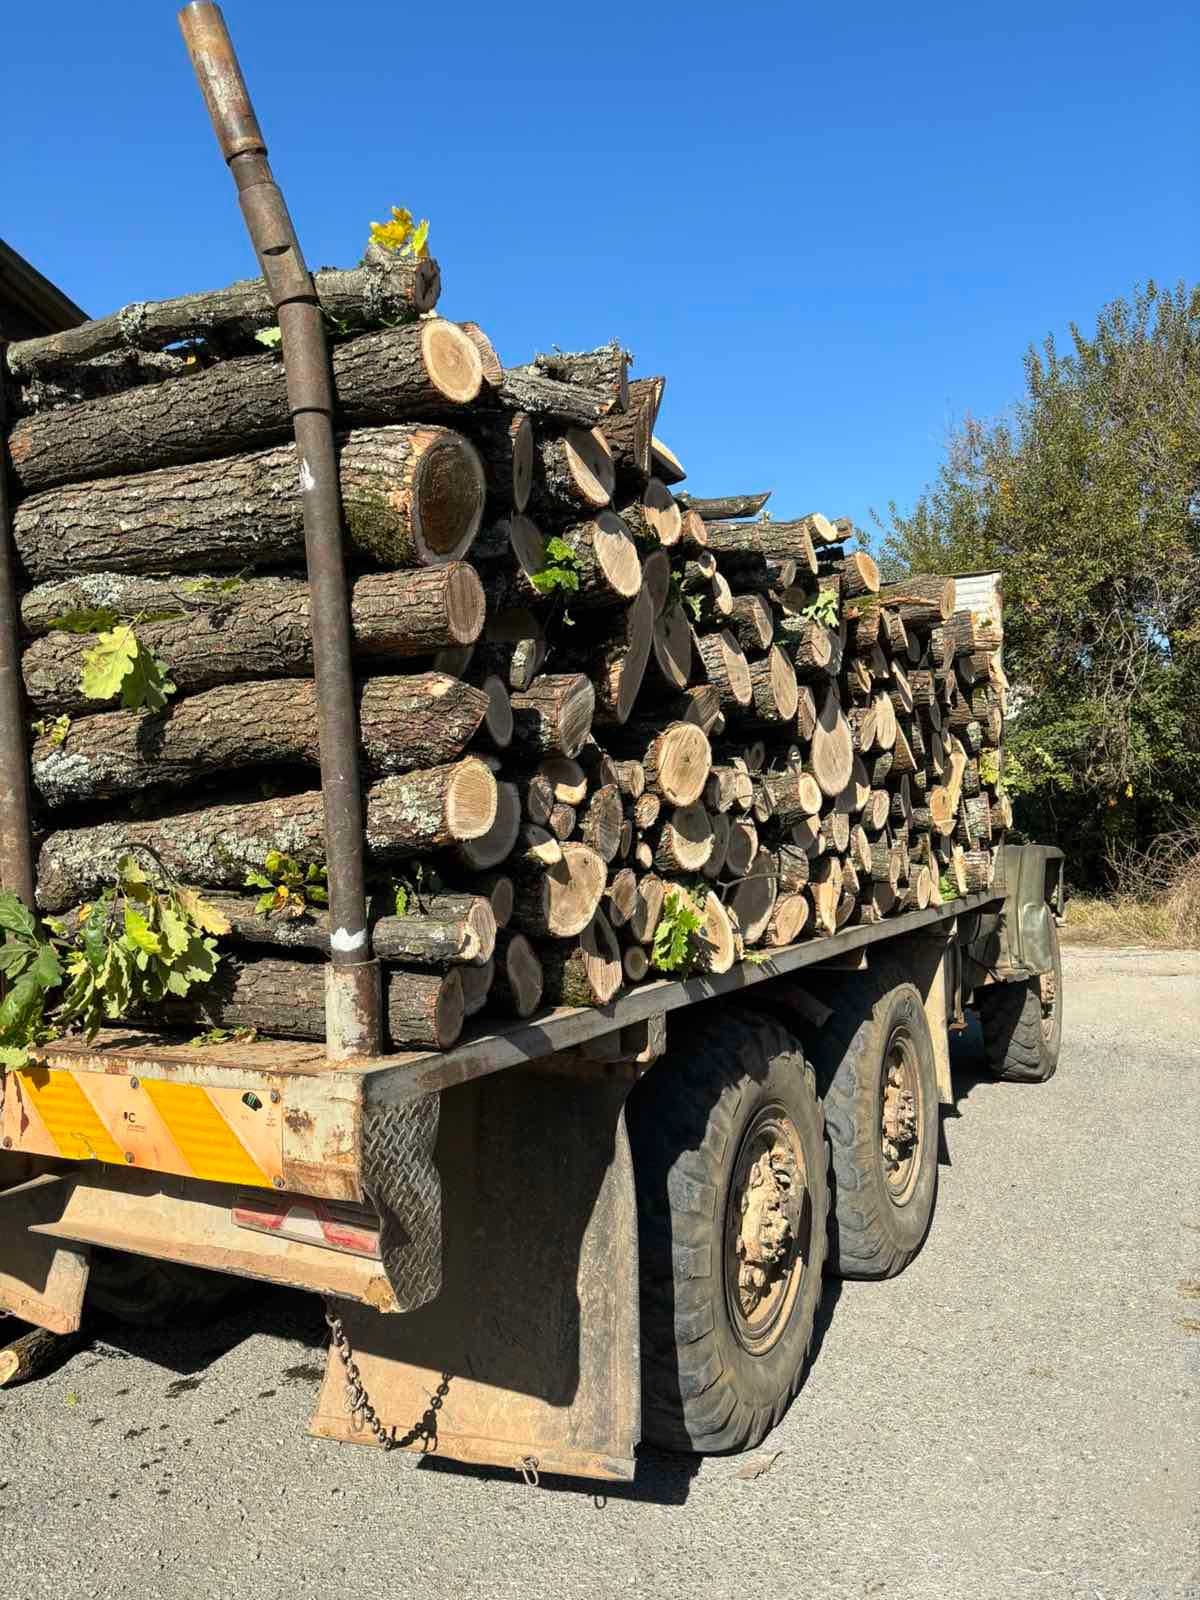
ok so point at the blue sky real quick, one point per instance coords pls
(835, 229)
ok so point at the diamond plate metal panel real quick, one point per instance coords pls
(400, 1176)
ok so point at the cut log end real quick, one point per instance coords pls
(448, 495)
(452, 360)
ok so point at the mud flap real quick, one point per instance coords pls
(400, 1178)
(41, 1280)
(529, 1356)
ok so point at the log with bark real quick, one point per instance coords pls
(383, 290)
(421, 1010)
(395, 616)
(422, 721)
(412, 495)
(729, 508)
(216, 846)
(423, 940)
(605, 369)
(423, 369)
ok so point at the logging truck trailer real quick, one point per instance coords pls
(602, 1226)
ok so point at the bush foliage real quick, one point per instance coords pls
(1086, 497)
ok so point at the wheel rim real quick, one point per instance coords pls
(1048, 988)
(902, 1116)
(768, 1229)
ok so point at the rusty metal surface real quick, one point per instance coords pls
(142, 1104)
(16, 838)
(180, 1219)
(41, 1280)
(531, 1349)
(353, 1021)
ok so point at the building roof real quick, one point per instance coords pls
(30, 304)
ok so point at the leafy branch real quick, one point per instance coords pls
(560, 569)
(676, 938)
(401, 236)
(289, 887)
(822, 608)
(144, 938)
(118, 663)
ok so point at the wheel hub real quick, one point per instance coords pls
(764, 1236)
(901, 1117)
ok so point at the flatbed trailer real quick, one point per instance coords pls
(523, 1256)
(602, 1226)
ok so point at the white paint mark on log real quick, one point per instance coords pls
(307, 481)
(341, 940)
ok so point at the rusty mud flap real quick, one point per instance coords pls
(529, 1357)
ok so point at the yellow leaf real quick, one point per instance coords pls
(419, 243)
(393, 235)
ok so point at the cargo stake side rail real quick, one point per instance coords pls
(353, 987)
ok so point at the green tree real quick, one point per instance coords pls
(1087, 499)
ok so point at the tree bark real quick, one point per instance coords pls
(385, 288)
(404, 723)
(554, 715)
(726, 508)
(654, 515)
(810, 643)
(429, 943)
(725, 668)
(606, 368)
(504, 441)
(395, 615)
(28, 1351)
(607, 562)
(412, 496)
(286, 999)
(600, 827)
(573, 473)
(771, 540)
(921, 599)
(684, 841)
(630, 433)
(546, 399)
(401, 373)
(216, 846)
(752, 623)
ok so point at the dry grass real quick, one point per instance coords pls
(1169, 919)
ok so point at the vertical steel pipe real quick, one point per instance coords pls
(353, 992)
(16, 834)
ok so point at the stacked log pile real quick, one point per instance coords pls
(587, 700)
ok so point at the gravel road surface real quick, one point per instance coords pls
(1016, 1415)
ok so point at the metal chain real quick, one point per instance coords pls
(359, 1401)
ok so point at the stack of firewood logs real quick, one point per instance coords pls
(587, 701)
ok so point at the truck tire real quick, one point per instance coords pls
(1022, 1024)
(877, 1079)
(150, 1293)
(733, 1191)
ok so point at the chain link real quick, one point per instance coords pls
(359, 1401)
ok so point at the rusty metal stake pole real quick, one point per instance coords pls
(352, 994)
(16, 835)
